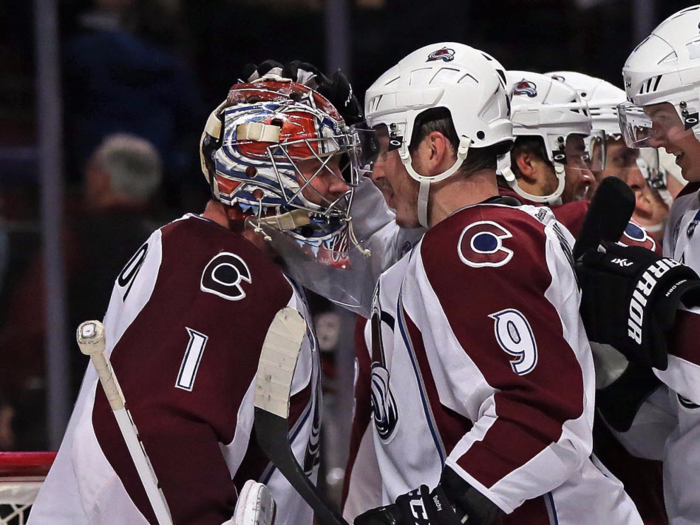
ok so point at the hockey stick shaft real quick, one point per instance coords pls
(273, 385)
(608, 215)
(91, 339)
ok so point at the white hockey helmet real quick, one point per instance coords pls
(601, 97)
(470, 84)
(665, 67)
(550, 109)
(603, 100)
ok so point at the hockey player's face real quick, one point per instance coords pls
(668, 131)
(619, 160)
(323, 183)
(579, 181)
(650, 210)
(400, 191)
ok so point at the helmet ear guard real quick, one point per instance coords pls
(212, 138)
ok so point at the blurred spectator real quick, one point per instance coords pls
(121, 177)
(125, 72)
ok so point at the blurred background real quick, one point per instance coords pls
(96, 94)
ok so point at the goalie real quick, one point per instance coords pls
(187, 320)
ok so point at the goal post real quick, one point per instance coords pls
(21, 476)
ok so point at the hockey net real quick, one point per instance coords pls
(21, 476)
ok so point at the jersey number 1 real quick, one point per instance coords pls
(515, 337)
(190, 363)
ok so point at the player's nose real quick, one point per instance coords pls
(335, 183)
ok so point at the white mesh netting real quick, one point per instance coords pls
(21, 476)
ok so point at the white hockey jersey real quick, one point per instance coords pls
(681, 458)
(185, 326)
(480, 362)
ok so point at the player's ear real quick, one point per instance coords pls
(440, 151)
(527, 166)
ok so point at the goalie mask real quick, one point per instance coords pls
(553, 111)
(277, 151)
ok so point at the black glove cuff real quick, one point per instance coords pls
(467, 500)
(620, 402)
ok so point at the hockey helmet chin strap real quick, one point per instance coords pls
(425, 182)
(553, 198)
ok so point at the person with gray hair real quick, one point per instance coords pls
(124, 169)
(120, 178)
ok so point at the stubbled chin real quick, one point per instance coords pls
(691, 175)
(689, 171)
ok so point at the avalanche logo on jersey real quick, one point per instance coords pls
(312, 456)
(639, 236)
(481, 244)
(384, 409)
(407, 247)
(223, 276)
(525, 87)
(445, 54)
(693, 224)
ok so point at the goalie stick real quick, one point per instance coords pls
(608, 215)
(91, 340)
(273, 385)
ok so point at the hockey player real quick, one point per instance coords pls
(482, 379)
(661, 81)
(188, 317)
(556, 150)
(640, 169)
(550, 161)
(642, 479)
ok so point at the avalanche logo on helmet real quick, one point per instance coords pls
(525, 87)
(445, 54)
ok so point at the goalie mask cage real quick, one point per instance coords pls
(21, 476)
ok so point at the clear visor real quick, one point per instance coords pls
(595, 145)
(651, 126)
(370, 144)
(581, 152)
(622, 161)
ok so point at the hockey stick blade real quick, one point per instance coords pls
(607, 217)
(273, 385)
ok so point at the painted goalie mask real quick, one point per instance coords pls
(278, 151)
